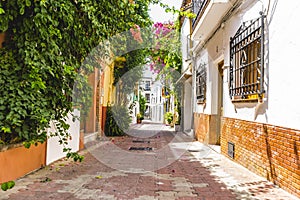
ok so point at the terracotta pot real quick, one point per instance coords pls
(16, 160)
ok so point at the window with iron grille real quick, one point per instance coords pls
(201, 84)
(246, 61)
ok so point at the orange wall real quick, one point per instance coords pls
(90, 124)
(269, 151)
(205, 128)
(17, 162)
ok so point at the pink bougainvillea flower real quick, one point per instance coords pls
(136, 33)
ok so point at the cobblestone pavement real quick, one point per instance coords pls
(171, 166)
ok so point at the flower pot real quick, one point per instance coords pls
(16, 160)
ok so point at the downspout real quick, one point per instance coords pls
(262, 90)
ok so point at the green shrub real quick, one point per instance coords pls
(169, 117)
(117, 121)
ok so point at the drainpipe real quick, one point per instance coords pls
(262, 61)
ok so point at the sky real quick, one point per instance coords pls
(158, 14)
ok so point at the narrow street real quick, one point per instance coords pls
(152, 162)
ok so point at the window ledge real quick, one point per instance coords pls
(200, 101)
(244, 100)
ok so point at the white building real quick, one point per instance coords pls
(244, 86)
(186, 73)
(157, 103)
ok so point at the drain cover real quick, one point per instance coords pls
(140, 148)
(195, 150)
(140, 141)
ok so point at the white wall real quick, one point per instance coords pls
(187, 109)
(282, 55)
(284, 69)
(185, 32)
(203, 58)
(156, 99)
(54, 149)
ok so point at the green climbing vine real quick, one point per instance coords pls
(45, 44)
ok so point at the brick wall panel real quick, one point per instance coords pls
(268, 150)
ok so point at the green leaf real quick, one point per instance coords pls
(28, 3)
(4, 186)
(6, 129)
(10, 184)
(7, 185)
(22, 10)
(27, 144)
(2, 11)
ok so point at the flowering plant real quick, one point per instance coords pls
(136, 33)
(166, 52)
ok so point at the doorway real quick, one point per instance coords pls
(220, 101)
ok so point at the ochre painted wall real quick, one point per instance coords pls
(108, 97)
(16, 162)
(205, 128)
(90, 123)
(108, 85)
(269, 151)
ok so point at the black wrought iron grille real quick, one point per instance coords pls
(201, 84)
(198, 6)
(246, 61)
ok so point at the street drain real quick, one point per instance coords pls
(140, 141)
(140, 148)
(195, 150)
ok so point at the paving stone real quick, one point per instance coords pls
(170, 171)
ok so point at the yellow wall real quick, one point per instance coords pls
(109, 89)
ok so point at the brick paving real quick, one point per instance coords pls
(177, 168)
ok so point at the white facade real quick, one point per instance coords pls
(54, 149)
(186, 78)
(157, 103)
(282, 50)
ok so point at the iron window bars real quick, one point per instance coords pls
(201, 84)
(246, 76)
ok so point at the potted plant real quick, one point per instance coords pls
(139, 118)
(169, 118)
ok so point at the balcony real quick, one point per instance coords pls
(209, 16)
(198, 8)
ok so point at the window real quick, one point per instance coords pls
(246, 61)
(201, 84)
(148, 98)
(147, 86)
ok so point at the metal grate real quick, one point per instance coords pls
(246, 60)
(140, 141)
(201, 84)
(198, 7)
(231, 149)
(140, 148)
